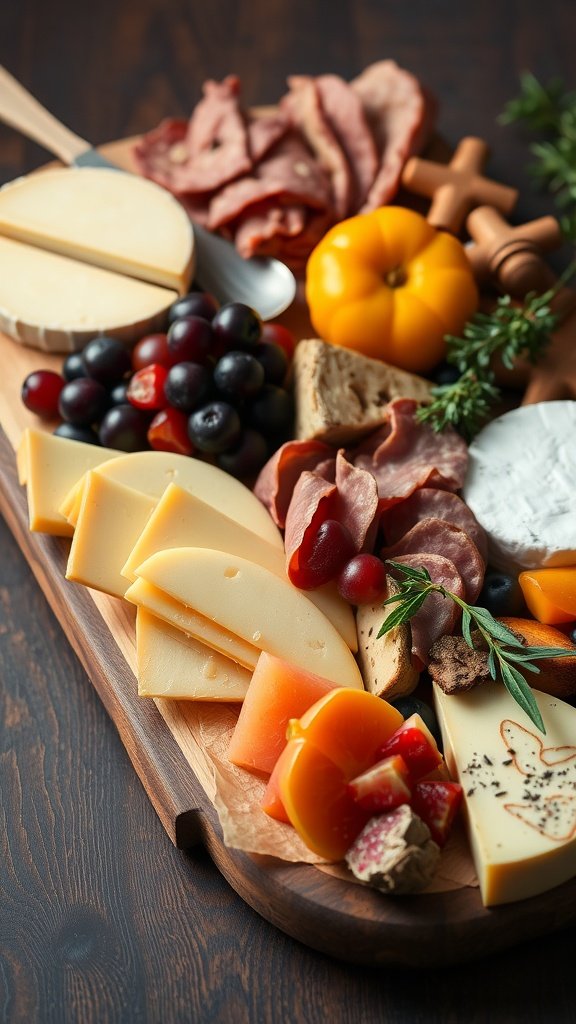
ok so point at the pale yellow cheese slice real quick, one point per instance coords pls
(110, 521)
(151, 472)
(181, 519)
(164, 607)
(519, 788)
(56, 304)
(104, 217)
(51, 466)
(172, 665)
(256, 605)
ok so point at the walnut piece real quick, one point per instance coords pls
(394, 853)
(455, 667)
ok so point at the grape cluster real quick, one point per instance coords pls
(211, 386)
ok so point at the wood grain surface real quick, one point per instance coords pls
(102, 919)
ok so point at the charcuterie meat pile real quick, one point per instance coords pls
(400, 481)
(274, 182)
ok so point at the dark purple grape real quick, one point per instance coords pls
(125, 427)
(187, 386)
(190, 340)
(41, 391)
(73, 366)
(215, 427)
(72, 433)
(117, 394)
(107, 360)
(237, 326)
(272, 410)
(194, 304)
(501, 594)
(247, 457)
(445, 374)
(408, 706)
(274, 360)
(83, 401)
(238, 375)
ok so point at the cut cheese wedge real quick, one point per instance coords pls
(519, 788)
(172, 665)
(255, 605)
(57, 304)
(151, 472)
(51, 465)
(188, 621)
(110, 521)
(104, 217)
(181, 519)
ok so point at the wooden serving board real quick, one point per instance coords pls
(347, 921)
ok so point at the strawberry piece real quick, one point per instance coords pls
(415, 743)
(168, 432)
(437, 803)
(383, 787)
(146, 389)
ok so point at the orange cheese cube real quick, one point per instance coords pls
(550, 594)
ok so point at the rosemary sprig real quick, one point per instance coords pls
(505, 651)
(508, 332)
(550, 112)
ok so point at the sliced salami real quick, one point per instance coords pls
(437, 537)
(432, 503)
(277, 479)
(438, 615)
(405, 455)
(343, 108)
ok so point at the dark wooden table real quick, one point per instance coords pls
(101, 918)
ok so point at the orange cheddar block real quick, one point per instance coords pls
(550, 594)
(277, 692)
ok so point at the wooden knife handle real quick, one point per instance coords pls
(19, 109)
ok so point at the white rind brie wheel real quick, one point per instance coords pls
(521, 486)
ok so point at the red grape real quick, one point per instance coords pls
(362, 580)
(146, 389)
(322, 556)
(190, 340)
(153, 348)
(281, 336)
(168, 432)
(41, 391)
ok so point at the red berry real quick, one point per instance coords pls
(41, 391)
(168, 432)
(146, 389)
(321, 556)
(437, 804)
(281, 336)
(153, 348)
(415, 743)
(382, 787)
(362, 580)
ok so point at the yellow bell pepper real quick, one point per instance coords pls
(391, 286)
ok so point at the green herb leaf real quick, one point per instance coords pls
(520, 691)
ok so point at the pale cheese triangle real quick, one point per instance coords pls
(520, 799)
(173, 665)
(256, 605)
(181, 519)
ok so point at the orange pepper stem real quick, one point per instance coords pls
(396, 277)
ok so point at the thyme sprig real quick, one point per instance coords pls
(505, 651)
(508, 332)
(550, 112)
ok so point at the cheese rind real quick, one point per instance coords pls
(256, 605)
(57, 304)
(519, 788)
(52, 465)
(520, 486)
(181, 519)
(104, 217)
(174, 666)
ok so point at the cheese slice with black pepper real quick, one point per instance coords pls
(519, 788)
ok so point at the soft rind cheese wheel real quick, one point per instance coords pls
(105, 217)
(256, 605)
(520, 486)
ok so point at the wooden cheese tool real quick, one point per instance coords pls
(512, 256)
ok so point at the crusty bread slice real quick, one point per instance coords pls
(385, 663)
(341, 395)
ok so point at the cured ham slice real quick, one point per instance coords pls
(437, 537)
(277, 479)
(405, 455)
(432, 503)
(438, 615)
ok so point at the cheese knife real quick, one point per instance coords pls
(264, 283)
